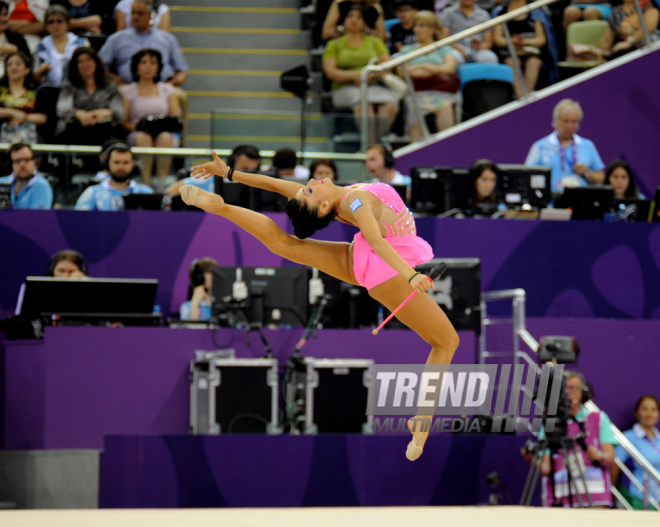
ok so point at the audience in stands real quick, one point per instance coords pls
(433, 75)
(465, 15)
(574, 160)
(344, 58)
(56, 49)
(335, 21)
(199, 303)
(146, 98)
(402, 33)
(625, 33)
(323, 168)
(380, 165)
(67, 264)
(10, 41)
(20, 109)
(119, 49)
(160, 15)
(27, 16)
(529, 38)
(593, 10)
(108, 195)
(89, 16)
(620, 176)
(285, 163)
(89, 107)
(645, 437)
(29, 189)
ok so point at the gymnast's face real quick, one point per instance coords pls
(317, 193)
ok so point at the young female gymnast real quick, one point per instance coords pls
(380, 258)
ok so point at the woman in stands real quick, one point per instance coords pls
(646, 439)
(620, 176)
(10, 41)
(323, 168)
(89, 106)
(433, 76)
(148, 96)
(199, 303)
(333, 25)
(625, 33)
(18, 98)
(381, 257)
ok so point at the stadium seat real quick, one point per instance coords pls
(589, 32)
(484, 87)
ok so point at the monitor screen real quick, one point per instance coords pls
(642, 211)
(587, 203)
(656, 206)
(276, 295)
(519, 185)
(46, 296)
(435, 190)
(5, 196)
(143, 201)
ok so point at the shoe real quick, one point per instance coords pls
(415, 448)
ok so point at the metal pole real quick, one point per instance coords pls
(364, 105)
(640, 14)
(514, 58)
(482, 337)
(413, 100)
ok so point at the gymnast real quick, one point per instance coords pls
(381, 257)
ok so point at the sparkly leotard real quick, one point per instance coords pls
(400, 232)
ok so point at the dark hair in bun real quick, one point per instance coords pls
(305, 220)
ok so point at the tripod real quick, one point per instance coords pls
(567, 446)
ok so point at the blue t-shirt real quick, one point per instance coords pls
(37, 194)
(650, 449)
(549, 152)
(106, 197)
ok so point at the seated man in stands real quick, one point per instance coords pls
(380, 165)
(574, 160)
(285, 164)
(108, 195)
(161, 19)
(27, 18)
(29, 189)
(120, 47)
(402, 33)
(459, 17)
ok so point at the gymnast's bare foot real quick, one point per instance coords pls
(192, 195)
(416, 446)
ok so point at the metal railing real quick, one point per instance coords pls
(479, 28)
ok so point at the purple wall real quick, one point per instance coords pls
(621, 115)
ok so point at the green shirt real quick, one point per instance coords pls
(437, 58)
(353, 59)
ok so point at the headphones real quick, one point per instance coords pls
(105, 155)
(196, 273)
(54, 260)
(242, 150)
(388, 155)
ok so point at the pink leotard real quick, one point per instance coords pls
(370, 269)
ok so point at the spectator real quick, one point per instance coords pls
(459, 17)
(89, 16)
(645, 437)
(323, 168)
(55, 50)
(620, 176)
(245, 158)
(118, 51)
(29, 189)
(335, 21)
(285, 163)
(67, 264)
(344, 58)
(574, 160)
(402, 33)
(584, 11)
(89, 106)
(433, 75)
(160, 16)
(108, 195)
(10, 41)
(380, 165)
(20, 109)
(199, 303)
(600, 440)
(147, 96)
(27, 18)
(625, 33)
(529, 37)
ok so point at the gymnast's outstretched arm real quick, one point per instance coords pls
(218, 167)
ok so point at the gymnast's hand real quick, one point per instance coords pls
(421, 283)
(216, 167)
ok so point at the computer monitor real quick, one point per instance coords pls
(47, 296)
(656, 206)
(276, 295)
(643, 208)
(520, 185)
(141, 201)
(5, 196)
(435, 190)
(587, 203)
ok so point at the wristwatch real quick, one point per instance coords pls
(629, 40)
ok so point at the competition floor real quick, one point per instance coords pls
(344, 517)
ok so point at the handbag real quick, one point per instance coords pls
(445, 83)
(396, 84)
(157, 124)
(19, 133)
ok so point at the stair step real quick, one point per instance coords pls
(242, 100)
(215, 17)
(228, 82)
(240, 4)
(243, 38)
(231, 59)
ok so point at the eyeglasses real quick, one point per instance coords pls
(54, 21)
(22, 160)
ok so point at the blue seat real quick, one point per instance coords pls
(477, 71)
(391, 22)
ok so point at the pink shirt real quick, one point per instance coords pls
(141, 106)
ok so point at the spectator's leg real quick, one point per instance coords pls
(532, 68)
(357, 113)
(145, 140)
(444, 117)
(571, 14)
(163, 163)
(486, 56)
(517, 86)
(386, 115)
(415, 132)
(185, 106)
(591, 13)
